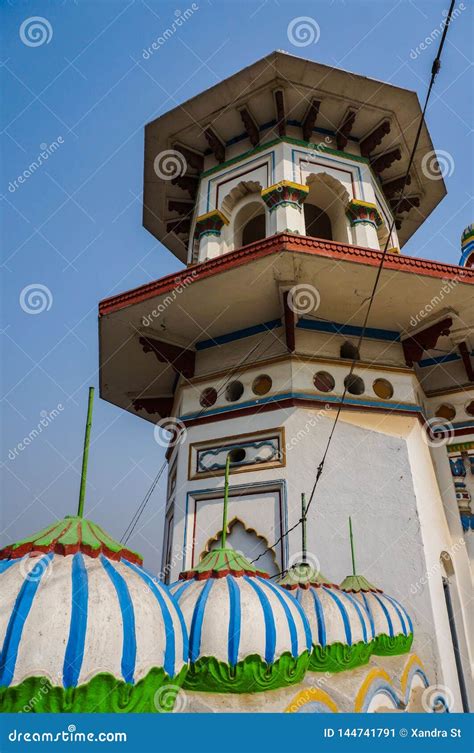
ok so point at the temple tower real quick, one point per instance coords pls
(276, 189)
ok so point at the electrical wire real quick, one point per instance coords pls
(434, 71)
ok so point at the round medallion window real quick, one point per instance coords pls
(383, 389)
(262, 384)
(208, 397)
(324, 381)
(237, 455)
(470, 408)
(234, 391)
(354, 384)
(447, 411)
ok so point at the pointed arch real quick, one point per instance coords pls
(248, 541)
(325, 208)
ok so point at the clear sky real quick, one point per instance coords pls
(73, 227)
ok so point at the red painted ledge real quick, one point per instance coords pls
(279, 244)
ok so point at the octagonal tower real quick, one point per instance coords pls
(276, 188)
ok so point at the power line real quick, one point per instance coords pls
(434, 71)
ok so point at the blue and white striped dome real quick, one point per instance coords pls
(340, 626)
(390, 623)
(71, 618)
(232, 619)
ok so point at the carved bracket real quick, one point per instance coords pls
(414, 347)
(180, 359)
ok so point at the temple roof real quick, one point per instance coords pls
(221, 562)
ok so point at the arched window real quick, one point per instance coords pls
(317, 222)
(249, 223)
(250, 544)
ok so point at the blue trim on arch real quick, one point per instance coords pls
(270, 629)
(343, 612)
(371, 619)
(129, 646)
(288, 615)
(18, 616)
(357, 607)
(238, 334)
(170, 644)
(387, 616)
(196, 622)
(74, 655)
(235, 620)
(348, 329)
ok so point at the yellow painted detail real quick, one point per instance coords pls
(374, 674)
(283, 184)
(414, 659)
(309, 695)
(213, 213)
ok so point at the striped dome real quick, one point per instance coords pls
(246, 634)
(103, 633)
(340, 626)
(390, 623)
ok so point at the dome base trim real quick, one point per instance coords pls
(384, 645)
(104, 693)
(339, 657)
(252, 675)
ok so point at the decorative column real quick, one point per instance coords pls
(365, 219)
(208, 232)
(285, 203)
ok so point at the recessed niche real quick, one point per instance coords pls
(208, 397)
(446, 411)
(237, 455)
(354, 384)
(348, 350)
(324, 381)
(383, 389)
(262, 384)
(234, 391)
(470, 408)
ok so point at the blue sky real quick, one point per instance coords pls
(74, 225)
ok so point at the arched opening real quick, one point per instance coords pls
(325, 208)
(249, 224)
(317, 222)
(249, 543)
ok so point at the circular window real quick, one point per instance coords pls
(237, 455)
(446, 411)
(262, 384)
(234, 391)
(470, 408)
(354, 384)
(383, 389)
(208, 397)
(324, 381)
